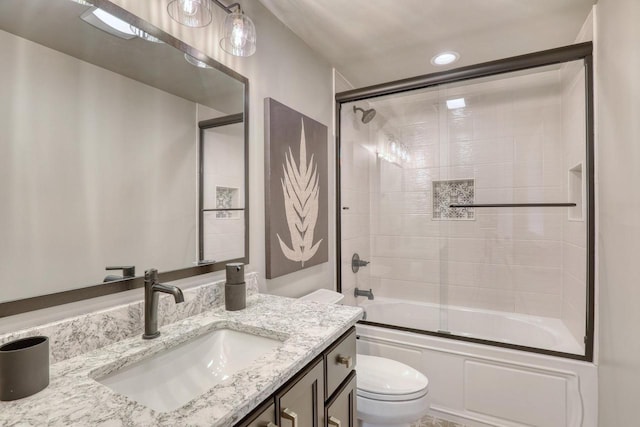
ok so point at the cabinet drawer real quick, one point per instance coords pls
(341, 408)
(339, 361)
(264, 416)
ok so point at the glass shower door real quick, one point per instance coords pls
(469, 200)
(513, 258)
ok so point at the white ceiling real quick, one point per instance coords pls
(376, 41)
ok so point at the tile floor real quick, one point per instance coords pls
(429, 421)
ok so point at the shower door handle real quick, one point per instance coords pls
(513, 205)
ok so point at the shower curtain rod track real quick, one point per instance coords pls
(513, 205)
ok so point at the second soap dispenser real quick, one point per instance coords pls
(235, 288)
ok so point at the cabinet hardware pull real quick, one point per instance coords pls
(270, 424)
(288, 414)
(333, 421)
(345, 360)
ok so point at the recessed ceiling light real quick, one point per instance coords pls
(452, 104)
(445, 58)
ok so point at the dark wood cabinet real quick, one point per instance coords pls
(263, 416)
(341, 408)
(302, 403)
(323, 394)
(339, 361)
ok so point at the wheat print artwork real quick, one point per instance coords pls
(296, 190)
(300, 189)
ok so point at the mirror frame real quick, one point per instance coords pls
(11, 308)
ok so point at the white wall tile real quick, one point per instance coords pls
(575, 261)
(406, 247)
(491, 299)
(418, 202)
(408, 290)
(417, 270)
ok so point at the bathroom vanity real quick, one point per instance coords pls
(323, 393)
(306, 374)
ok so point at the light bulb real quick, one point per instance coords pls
(393, 147)
(238, 38)
(189, 7)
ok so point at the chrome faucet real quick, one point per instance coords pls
(360, 293)
(151, 290)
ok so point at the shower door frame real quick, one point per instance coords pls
(575, 52)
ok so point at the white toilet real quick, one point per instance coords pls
(389, 393)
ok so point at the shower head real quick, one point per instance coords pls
(367, 115)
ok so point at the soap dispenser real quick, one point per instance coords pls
(235, 289)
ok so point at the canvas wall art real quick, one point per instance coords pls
(296, 193)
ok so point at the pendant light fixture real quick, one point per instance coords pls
(238, 34)
(192, 13)
(237, 31)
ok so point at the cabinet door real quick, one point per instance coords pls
(302, 403)
(340, 358)
(264, 416)
(341, 409)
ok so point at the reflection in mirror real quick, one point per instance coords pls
(222, 215)
(98, 153)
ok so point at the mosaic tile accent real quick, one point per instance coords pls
(460, 191)
(224, 200)
(429, 421)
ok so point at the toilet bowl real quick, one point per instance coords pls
(389, 393)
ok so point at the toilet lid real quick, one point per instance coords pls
(386, 379)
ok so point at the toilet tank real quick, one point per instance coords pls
(325, 296)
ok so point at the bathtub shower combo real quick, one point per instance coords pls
(470, 194)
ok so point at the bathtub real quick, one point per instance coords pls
(483, 385)
(510, 328)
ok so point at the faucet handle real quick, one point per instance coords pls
(151, 275)
(356, 263)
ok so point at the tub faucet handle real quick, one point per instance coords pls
(356, 263)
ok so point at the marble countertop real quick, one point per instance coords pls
(73, 397)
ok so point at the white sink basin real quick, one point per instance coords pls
(168, 380)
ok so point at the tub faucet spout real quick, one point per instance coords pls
(151, 290)
(361, 293)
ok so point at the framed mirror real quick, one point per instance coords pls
(104, 172)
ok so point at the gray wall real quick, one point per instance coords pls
(618, 158)
(283, 68)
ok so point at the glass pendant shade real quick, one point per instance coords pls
(192, 13)
(238, 35)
